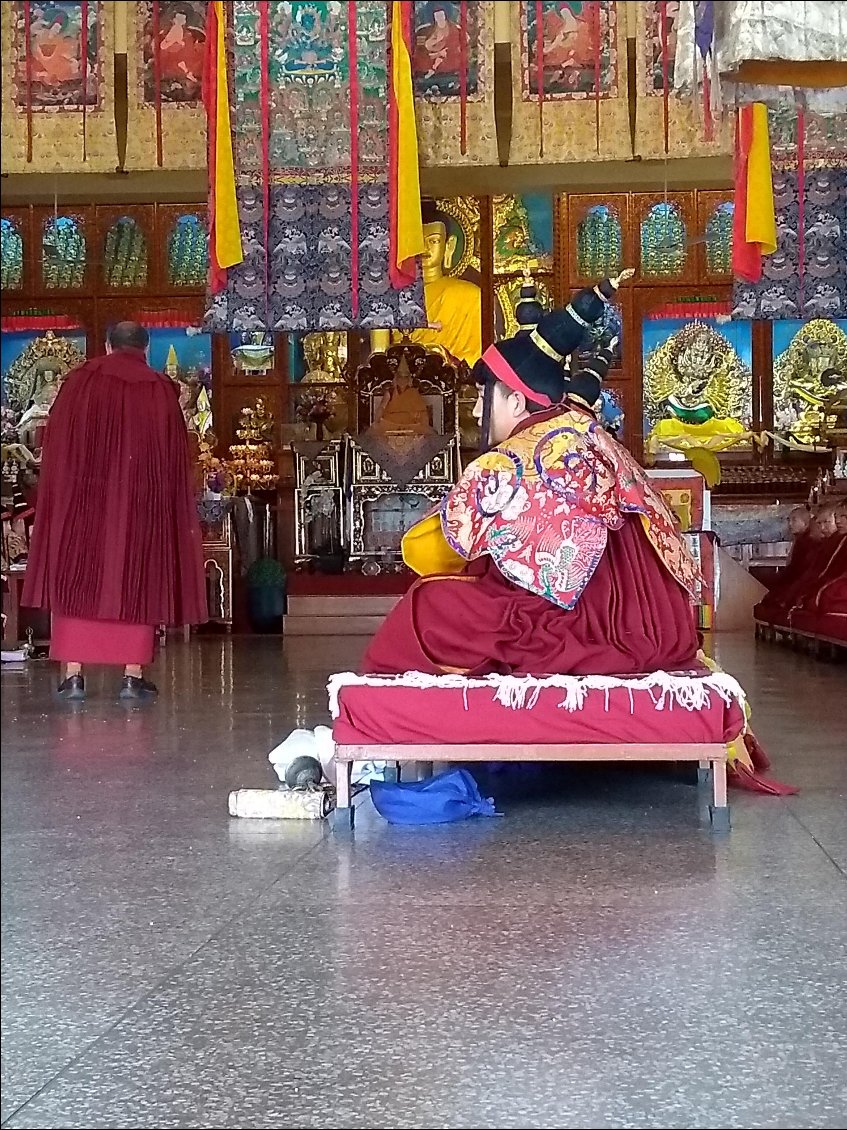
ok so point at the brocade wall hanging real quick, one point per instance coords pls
(667, 124)
(453, 76)
(806, 277)
(315, 153)
(569, 77)
(166, 121)
(58, 87)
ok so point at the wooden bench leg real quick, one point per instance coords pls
(344, 815)
(719, 808)
(703, 773)
(392, 772)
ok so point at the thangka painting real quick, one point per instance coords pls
(167, 53)
(452, 53)
(578, 49)
(447, 55)
(666, 123)
(569, 79)
(312, 172)
(57, 96)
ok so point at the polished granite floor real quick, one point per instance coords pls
(593, 959)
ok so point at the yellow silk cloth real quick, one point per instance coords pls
(455, 305)
(426, 550)
(761, 217)
(227, 249)
(736, 750)
(410, 241)
(713, 435)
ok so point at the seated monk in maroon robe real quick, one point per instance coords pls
(553, 554)
(820, 604)
(116, 547)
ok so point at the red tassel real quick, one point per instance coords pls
(353, 49)
(666, 86)
(463, 77)
(801, 198)
(28, 76)
(84, 48)
(539, 70)
(708, 122)
(157, 81)
(595, 35)
(740, 777)
(265, 106)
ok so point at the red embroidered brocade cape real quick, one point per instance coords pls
(116, 533)
(542, 505)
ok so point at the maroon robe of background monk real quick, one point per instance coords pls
(116, 546)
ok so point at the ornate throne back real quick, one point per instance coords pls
(430, 372)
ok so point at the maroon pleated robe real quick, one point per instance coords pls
(116, 534)
(631, 617)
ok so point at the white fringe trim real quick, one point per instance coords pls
(521, 692)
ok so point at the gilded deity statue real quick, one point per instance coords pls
(810, 384)
(697, 392)
(325, 355)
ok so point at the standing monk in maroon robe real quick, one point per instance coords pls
(116, 547)
(553, 554)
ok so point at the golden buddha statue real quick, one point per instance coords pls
(697, 392)
(453, 306)
(402, 411)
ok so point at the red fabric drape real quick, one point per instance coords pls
(265, 100)
(116, 533)
(28, 75)
(746, 257)
(539, 70)
(84, 50)
(353, 48)
(801, 205)
(157, 80)
(597, 45)
(666, 86)
(217, 274)
(463, 77)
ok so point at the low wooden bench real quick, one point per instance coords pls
(653, 718)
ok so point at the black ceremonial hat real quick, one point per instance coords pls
(533, 363)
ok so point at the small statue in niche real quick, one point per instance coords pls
(33, 382)
(34, 419)
(325, 355)
(810, 385)
(403, 409)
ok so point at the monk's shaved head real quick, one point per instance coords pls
(128, 335)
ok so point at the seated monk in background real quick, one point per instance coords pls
(822, 590)
(815, 542)
(553, 554)
(403, 409)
